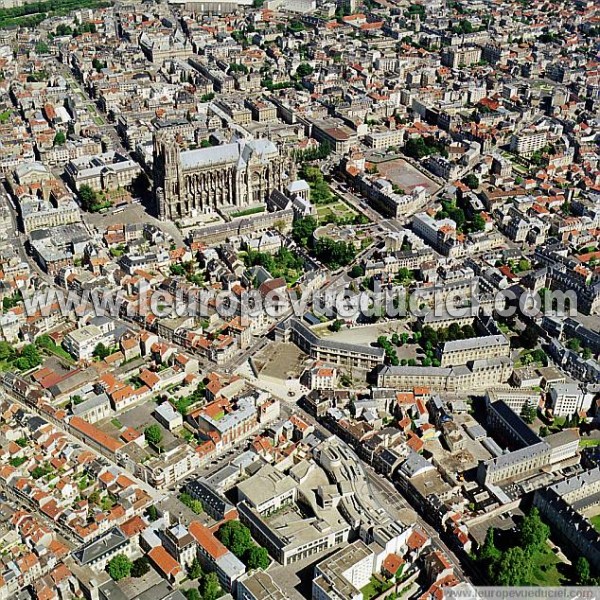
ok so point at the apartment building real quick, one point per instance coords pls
(180, 544)
(93, 409)
(517, 464)
(440, 234)
(289, 537)
(342, 575)
(460, 352)
(515, 399)
(528, 454)
(80, 343)
(339, 136)
(171, 466)
(97, 554)
(259, 586)
(236, 111)
(38, 214)
(568, 398)
(461, 57)
(321, 378)
(382, 138)
(261, 110)
(381, 195)
(528, 141)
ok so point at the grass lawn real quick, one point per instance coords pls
(249, 211)
(589, 443)
(374, 588)
(596, 522)
(117, 423)
(545, 572)
(60, 352)
(336, 209)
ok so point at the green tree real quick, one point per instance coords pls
(152, 512)
(528, 413)
(478, 223)
(98, 65)
(303, 229)
(534, 533)
(582, 571)
(195, 570)
(193, 504)
(42, 48)
(236, 537)
(211, 589)
(471, 180)
(192, 594)
(529, 337)
(177, 269)
(334, 253)
(336, 325)
(304, 70)
(88, 198)
(256, 558)
(60, 138)
(101, 351)
(356, 271)
(41, 471)
(140, 567)
(153, 435)
(28, 358)
(489, 551)
(540, 356)
(9, 302)
(514, 568)
(119, 567)
(419, 147)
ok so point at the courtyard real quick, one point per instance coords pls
(404, 175)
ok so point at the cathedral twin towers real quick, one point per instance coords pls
(235, 175)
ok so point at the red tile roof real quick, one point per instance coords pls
(207, 540)
(164, 562)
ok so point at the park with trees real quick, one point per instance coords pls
(524, 557)
(333, 253)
